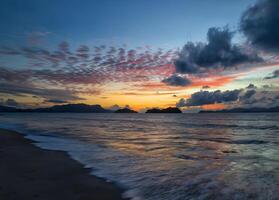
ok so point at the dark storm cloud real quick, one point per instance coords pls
(205, 97)
(275, 74)
(261, 99)
(175, 80)
(218, 52)
(248, 94)
(260, 24)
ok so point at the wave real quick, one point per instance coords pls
(172, 158)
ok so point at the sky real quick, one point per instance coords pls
(192, 54)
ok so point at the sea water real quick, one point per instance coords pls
(166, 156)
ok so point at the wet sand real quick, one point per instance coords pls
(28, 172)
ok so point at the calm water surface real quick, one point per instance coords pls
(167, 156)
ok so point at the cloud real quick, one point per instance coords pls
(266, 86)
(127, 106)
(217, 53)
(114, 107)
(36, 37)
(248, 97)
(261, 99)
(81, 71)
(205, 97)
(205, 87)
(9, 102)
(251, 86)
(181, 103)
(88, 66)
(117, 107)
(248, 94)
(275, 74)
(176, 80)
(14, 75)
(12, 89)
(56, 101)
(260, 24)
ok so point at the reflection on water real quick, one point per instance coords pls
(168, 156)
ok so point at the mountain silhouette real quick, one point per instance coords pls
(125, 110)
(165, 110)
(68, 108)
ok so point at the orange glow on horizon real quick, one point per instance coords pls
(214, 81)
(213, 107)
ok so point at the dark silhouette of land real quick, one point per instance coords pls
(30, 173)
(244, 110)
(165, 110)
(8, 109)
(84, 108)
(68, 108)
(125, 110)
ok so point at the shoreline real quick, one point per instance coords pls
(29, 172)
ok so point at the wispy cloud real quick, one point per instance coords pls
(93, 66)
(62, 94)
(9, 102)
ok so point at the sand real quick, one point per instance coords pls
(28, 172)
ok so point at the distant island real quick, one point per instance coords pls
(165, 110)
(244, 110)
(68, 108)
(84, 108)
(125, 110)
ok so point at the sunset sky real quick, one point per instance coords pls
(192, 54)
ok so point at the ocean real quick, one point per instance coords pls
(166, 156)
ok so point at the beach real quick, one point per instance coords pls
(28, 172)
